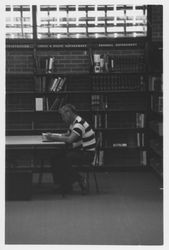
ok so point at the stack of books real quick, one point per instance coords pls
(57, 84)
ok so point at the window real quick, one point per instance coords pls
(77, 21)
(19, 21)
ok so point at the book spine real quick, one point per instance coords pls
(50, 67)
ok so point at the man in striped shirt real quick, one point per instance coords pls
(81, 141)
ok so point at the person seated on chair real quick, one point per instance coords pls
(81, 142)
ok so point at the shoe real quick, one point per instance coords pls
(83, 185)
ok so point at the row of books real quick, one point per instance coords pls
(155, 83)
(54, 85)
(116, 63)
(45, 63)
(140, 120)
(110, 82)
(44, 103)
(102, 102)
(135, 140)
(105, 121)
(157, 104)
(99, 102)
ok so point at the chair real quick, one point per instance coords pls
(88, 168)
(92, 166)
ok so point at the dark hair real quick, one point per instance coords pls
(68, 107)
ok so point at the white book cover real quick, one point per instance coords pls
(39, 104)
(51, 60)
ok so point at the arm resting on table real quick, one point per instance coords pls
(69, 139)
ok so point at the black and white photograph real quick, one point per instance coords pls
(83, 124)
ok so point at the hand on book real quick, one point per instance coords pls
(47, 136)
(50, 136)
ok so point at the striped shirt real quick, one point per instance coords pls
(86, 134)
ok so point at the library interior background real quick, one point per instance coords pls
(107, 60)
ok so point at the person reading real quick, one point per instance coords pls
(81, 142)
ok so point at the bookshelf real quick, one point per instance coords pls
(113, 97)
(155, 121)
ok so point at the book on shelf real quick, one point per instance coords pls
(140, 120)
(61, 84)
(99, 102)
(45, 63)
(117, 82)
(140, 140)
(100, 63)
(160, 104)
(55, 104)
(50, 64)
(39, 104)
(58, 102)
(117, 63)
(57, 84)
(46, 103)
(155, 83)
(53, 85)
(156, 103)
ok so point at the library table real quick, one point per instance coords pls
(30, 141)
(19, 180)
(33, 143)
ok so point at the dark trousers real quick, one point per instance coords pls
(62, 165)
